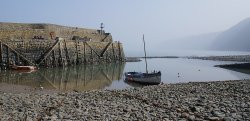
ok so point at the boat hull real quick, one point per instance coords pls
(144, 78)
(25, 68)
(149, 80)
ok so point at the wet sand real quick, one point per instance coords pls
(15, 89)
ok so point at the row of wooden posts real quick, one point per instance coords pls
(58, 55)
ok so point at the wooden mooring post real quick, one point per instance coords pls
(18, 58)
(113, 52)
(66, 52)
(54, 58)
(119, 48)
(91, 55)
(84, 52)
(77, 53)
(8, 56)
(1, 53)
(60, 54)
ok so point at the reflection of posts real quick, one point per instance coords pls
(106, 76)
(82, 77)
(1, 53)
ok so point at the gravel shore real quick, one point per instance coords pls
(214, 101)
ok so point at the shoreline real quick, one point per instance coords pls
(237, 58)
(217, 100)
(237, 65)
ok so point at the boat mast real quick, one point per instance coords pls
(145, 54)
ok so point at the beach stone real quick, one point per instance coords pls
(195, 108)
(134, 104)
(178, 110)
(166, 119)
(213, 118)
(61, 115)
(172, 115)
(134, 109)
(247, 109)
(127, 115)
(233, 110)
(218, 114)
(133, 114)
(191, 118)
(54, 117)
(236, 116)
(185, 115)
(228, 119)
(182, 120)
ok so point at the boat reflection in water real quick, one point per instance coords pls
(134, 84)
(78, 78)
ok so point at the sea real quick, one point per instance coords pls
(111, 76)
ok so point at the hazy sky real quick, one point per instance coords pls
(127, 20)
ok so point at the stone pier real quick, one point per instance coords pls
(53, 45)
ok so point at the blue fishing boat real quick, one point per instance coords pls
(153, 77)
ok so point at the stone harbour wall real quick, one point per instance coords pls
(19, 31)
(54, 45)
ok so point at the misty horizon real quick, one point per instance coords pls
(163, 22)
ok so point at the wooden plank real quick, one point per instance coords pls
(18, 58)
(113, 51)
(48, 51)
(60, 54)
(46, 62)
(1, 52)
(91, 53)
(24, 58)
(104, 38)
(84, 52)
(66, 52)
(54, 58)
(119, 48)
(8, 56)
(105, 49)
(92, 49)
(77, 56)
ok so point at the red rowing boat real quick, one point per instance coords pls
(25, 68)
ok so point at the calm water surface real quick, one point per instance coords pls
(110, 76)
(189, 70)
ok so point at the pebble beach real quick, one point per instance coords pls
(212, 101)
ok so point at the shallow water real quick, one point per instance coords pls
(189, 70)
(200, 53)
(110, 76)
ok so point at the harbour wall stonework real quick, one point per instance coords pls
(55, 45)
